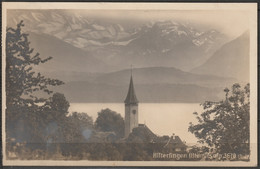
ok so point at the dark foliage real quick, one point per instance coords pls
(35, 125)
(224, 125)
(23, 106)
(21, 81)
(109, 120)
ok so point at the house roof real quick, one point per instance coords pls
(142, 134)
(177, 142)
(131, 97)
(171, 141)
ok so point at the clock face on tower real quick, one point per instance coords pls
(134, 111)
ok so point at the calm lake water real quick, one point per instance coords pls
(161, 118)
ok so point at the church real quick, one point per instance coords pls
(139, 133)
(131, 109)
(136, 132)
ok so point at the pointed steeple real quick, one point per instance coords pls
(131, 97)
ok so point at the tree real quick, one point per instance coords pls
(77, 128)
(224, 125)
(54, 118)
(58, 105)
(23, 105)
(109, 120)
(21, 80)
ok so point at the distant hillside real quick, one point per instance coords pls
(148, 75)
(231, 60)
(65, 56)
(86, 92)
(153, 84)
(162, 75)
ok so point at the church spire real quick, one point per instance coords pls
(131, 69)
(131, 97)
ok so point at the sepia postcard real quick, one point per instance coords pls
(129, 84)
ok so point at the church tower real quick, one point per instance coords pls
(131, 109)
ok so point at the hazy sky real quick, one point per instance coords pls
(232, 23)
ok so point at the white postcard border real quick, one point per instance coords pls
(250, 7)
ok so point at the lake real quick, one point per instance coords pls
(161, 118)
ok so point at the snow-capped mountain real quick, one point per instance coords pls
(157, 43)
(72, 28)
(164, 44)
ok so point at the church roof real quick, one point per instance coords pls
(131, 97)
(141, 134)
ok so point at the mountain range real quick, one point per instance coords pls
(159, 43)
(173, 61)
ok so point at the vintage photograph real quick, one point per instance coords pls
(129, 85)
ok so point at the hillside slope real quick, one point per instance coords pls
(65, 56)
(162, 75)
(152, 84)
(231, 60)
(86, 92)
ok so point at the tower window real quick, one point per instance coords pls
(134, 111)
